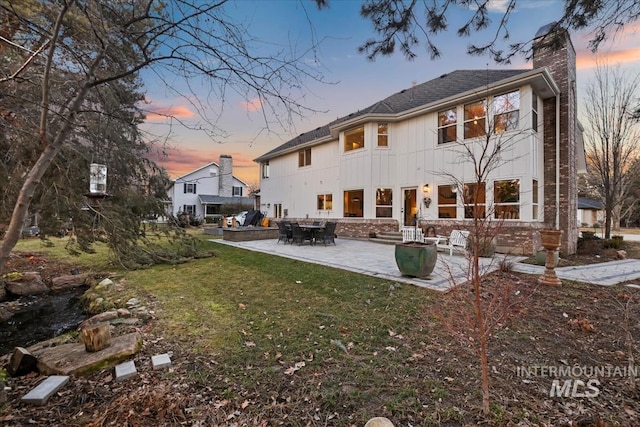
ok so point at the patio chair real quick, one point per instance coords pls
(284, 235)
(298, 235)
(329, 233)
(456, 240)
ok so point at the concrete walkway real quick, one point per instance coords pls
(375, 259)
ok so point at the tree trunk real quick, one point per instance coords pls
(96, 338)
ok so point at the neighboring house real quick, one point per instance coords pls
(381, 167)
(205, 190)
(590, 212)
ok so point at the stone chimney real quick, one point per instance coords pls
(226, 176)
(552, 48)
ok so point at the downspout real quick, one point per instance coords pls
(557, 218)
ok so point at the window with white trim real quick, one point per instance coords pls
(304, 157)
(265, 169)
(534, 199)
(506, 111)
(474, 119)
(325, 202)
(354, 139)
(474, 200)
(447, 125)
(383, 135)
(506, 199)
(534, 113)
(384, 203)
(447, 201)
(190, 187)
(189, 209)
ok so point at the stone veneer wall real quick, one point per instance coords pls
(225, 179)
(561, 63)
(357, 228)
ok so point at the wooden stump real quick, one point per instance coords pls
(97, 337)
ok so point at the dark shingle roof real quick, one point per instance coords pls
(207, 199)
(586, 203)
(440, 88)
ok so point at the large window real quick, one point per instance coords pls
(447, 201)
(383, 135)
(189, 187)
(353, 203)
(304, 157)
(506, 199)
(506, 110)
(534, 199)
(447, 124)
(474, 200)
(384, 203)
(325, 202)
(474, 119)
(354, 139)
(265, 169)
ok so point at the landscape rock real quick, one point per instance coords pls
(621, 254)
(21, 363)
(68, 281)
(105, 283)
(5, 314)
(29, 283)
(123, 312)
(3, 291)
(72, 359)
(379, 422)
(102, 317)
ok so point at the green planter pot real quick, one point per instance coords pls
(416, 259)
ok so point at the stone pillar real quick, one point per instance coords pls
(553, 49)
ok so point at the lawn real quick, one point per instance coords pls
(261, 340)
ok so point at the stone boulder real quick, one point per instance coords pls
(3, 291)
(68, 281)
(29, 283)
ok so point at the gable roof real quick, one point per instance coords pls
(441, 88)
(181, 177)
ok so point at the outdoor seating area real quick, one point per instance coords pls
(299, 234)
(456, 241)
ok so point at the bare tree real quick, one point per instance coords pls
(611, 137)
(405, 25)
(474, 313)
(75, 50)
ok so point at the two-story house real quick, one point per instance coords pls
(404, 158)
(204, 191)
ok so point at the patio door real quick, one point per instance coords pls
(409, 206)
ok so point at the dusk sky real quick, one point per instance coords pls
(353, 81)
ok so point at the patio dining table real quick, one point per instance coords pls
(313, 230)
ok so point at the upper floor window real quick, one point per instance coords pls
(383, 135)
(474, 200)
(506, 110)
(354, 139)
(265, 169)
(190, 187)
(384, 203)
(534, 113)
(304, 157)
(237, 191)
(474, 119)
(325, 202)
(506, 199)
(447, 123)
(447, 201)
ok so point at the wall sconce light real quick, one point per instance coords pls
(268, 205)
(426, 189)
(427, 202)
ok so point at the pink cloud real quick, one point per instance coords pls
(624, 56)
(254, 104)
(161, 113)
(181, 160)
